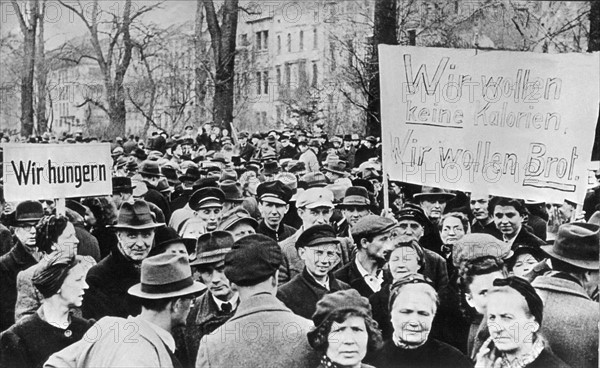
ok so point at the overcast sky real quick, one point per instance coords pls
(62, 25)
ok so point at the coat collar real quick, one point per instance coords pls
(561, 285)
(20, 255)
(208, 309)
(257, 303)
(312, 283)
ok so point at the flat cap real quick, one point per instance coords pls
(212, 247)
(252, 259)
(274, 192)
(478, 245)
(372, 225)
(234, 217)
(315, 197)
(413, 212)
(206, 197)
(317, 235)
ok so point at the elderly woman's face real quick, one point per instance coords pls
(452, 230)
(347, 342)
(412, 314)
(74, 286)
(403, 260)
(509, 324)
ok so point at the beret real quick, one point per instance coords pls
(317, 235)
(477, 245)
(274, 191)
(205, 196)
(252, 259)
(372, 225)
(343, 300)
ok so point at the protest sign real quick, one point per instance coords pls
(515, 124)
(48, 171)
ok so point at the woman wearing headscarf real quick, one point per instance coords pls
(55, 235)
(345, 330)
(29, 342)
(413, 304)
(514, 318)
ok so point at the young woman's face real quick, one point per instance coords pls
(477, 296)
(524, 263)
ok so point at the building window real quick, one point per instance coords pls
(301, 40)
(258, 84)
(278, 75)
(262, 40)
(278, 44)
(263, 115)
(288, 75)
(266, 83)
(315, 74)
(289, 42)
(315, 39)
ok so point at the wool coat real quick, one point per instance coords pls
(262, 333)
(281, 234)
(115, 342)
(570, 319)
(108, 283)
(154, 196)
(350, 275)
(303, 292)
(88, 244)
(13, 262)
(6, 241)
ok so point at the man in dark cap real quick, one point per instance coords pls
(151, 175)
(252, 264)
(23, 255)
(571, 313)
(320, 250)
(365, 151)
(122, 190)
(245, 148)
(288, 149)
(208, 205)
(220, 301)
(110, 279)
(372, 236)
(273, 202)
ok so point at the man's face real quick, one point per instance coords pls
(243, 141)
(355, 213)
(135, 244)
(180, 310)
(347, 145)
(272, 213)
(409, 228)
(240, 230)
(507, 220)
(314, 216)
(210, 215)
(26, 234)
(321, 259)
(479, 208)
(376, 248)
(433, 207)
(213, 276)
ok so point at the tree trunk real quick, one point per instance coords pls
(223, 38)
(594, 45)
(200, 71)
(384, 32)
(42, 75)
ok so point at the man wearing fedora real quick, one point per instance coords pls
(238, 222)
(110, 279)
(273, 203)
(320, 250)
(183, 192)
(165, 291)
(219, 303)
(22, 255)
(150, 172)
(433, 202)
(246, 149)
(122, 190)
(354, 206)
(233, 194)
(335, 170)
(571, 313)
(263, 332)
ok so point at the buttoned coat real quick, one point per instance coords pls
(115, 342)
(108, 283)
(570, 320)
(262, 333)
(303, 292)
(13, 262)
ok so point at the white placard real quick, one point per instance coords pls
(514, 124)
(48, 171)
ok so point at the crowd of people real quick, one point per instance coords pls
(276, 249)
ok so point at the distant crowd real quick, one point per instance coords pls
(276, 249)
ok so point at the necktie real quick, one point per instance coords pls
(226, 307)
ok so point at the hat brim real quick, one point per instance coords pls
(214, 257)
(195, 288)
(585, 264)
(138, 227)
(348, 204)
(270, 199)
(150, 174)
(319, 204)
(341, 173)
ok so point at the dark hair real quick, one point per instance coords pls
(459, 215)
(475, 267)
(103, 210)
(358, 238)
(319, 342)
(562, 266)
(48, 229)
(518, 204)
